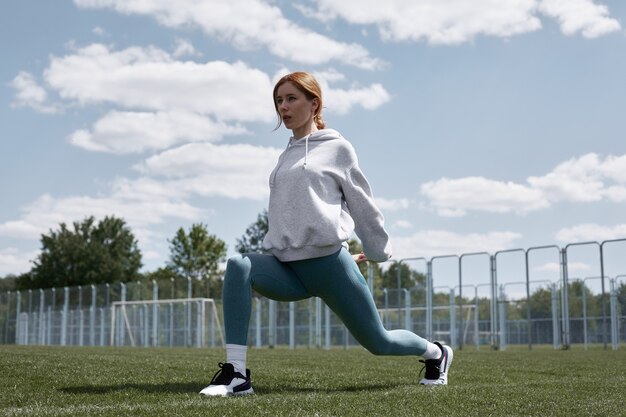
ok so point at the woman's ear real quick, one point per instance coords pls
(315, 105)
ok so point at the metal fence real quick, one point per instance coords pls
(498, 301)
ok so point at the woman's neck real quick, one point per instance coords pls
(304, 131)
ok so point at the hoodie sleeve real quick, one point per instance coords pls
(369, 221)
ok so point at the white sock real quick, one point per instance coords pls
(432, 351)
(236, 354)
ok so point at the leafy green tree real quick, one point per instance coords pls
(196, 254)
(89, 253)
(8, 283)
(252, 240)
(409, 278)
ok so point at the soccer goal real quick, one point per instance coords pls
(177, 322)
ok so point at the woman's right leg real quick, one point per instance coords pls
(271, 278)
(266, 275)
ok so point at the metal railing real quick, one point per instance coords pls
(81, 315)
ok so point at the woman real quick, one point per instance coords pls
(318, 197)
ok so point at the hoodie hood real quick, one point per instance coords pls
(318, 135)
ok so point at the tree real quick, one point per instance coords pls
(89, 254)
(408, 277)
(252, 240)
(196, 254)
(8, 283)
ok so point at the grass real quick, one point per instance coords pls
(73, 381)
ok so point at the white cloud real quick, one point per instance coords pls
(458, 21)
(588, 178)
(429, 243)
(235, 171)
(128, 132)
(386, 204)
(449, 22)
(150, 79)
(584, 179)
(575, 180)
(454, 197)
(48, 212)
(184, 48)
(583, 16)
(402, 224)
(28, 93)
(99, 31)
(13, 261)
(370, 98)
(246, 24)
(591, 232)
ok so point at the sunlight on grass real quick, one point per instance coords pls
(72, 381)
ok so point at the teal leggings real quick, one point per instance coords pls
(335, 278)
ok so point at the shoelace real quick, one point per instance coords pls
(224, 375)
(432, 368)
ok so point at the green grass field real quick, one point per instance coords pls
(71, 381)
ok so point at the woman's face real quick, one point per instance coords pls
(295, 109)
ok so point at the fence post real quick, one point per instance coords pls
(528, 311)
(453, 319)
(584, 297)
(476, 317)
(188, 312)
(155, 314)
(64, 314)
(42, 327)
(565, 300)
(386, 297)
(555, 318)
(18, 312)
(271, 325)
(502, 308)
(603, 293)
(493, 305)
(408, 325)
(200, 336)
(614, 317)
(119, 326)
(102, 324)
(398, 282)
(92, 317)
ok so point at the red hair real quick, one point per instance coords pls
(311, 89)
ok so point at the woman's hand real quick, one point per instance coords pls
(360, 258)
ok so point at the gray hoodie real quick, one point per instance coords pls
(318, 197)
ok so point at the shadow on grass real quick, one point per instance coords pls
(175, 388)
(186, 388)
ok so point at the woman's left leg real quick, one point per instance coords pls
(337, 280)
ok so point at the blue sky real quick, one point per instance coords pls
(482, 125)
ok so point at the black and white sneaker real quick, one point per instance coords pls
(437, 369)
(227, 382)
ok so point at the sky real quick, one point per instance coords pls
(481, 125)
